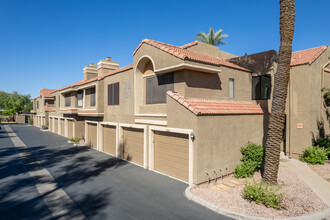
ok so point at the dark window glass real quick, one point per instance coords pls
(261, 86)
(157, 86)
(92, 96)
(113, 94)
(231, 88)
(80, 98)
(67, 99)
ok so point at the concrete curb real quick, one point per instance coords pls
(318, 215)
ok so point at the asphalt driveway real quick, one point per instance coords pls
(103, 187)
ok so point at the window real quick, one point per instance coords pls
(261, 86)
(37, 104)
(113, 94)
(80, 98)
(157, 86)
(92, 97)
(45, 102)
(231, 88)
(67, 99)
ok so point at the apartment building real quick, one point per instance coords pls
(182, 111)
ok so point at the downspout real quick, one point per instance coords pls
(290, 113)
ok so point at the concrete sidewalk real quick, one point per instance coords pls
(319, 185)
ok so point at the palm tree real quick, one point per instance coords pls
(282, 76)
(212, 38)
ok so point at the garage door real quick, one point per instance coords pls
(109, 139)
(171, 154)
(133, 145)
(62, 127)
(50, 124)
(92, 135)
(56, 125)
(70, 128)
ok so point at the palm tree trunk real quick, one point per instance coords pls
(282, 76)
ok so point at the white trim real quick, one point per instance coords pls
(186, 65)
(61, 109)
(68, 90)
(113, 64)
(91, 114)
(145, 146)
(173, 130)
(149, 75)
(151, 115)
(87, 86)
(152, 122)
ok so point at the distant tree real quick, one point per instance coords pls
(212, 38)
(15, 102)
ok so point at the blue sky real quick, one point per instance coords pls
(46, 44)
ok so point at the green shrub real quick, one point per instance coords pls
(263, 193)
(246, 169)
(325, 143)
(1, 118)
(253, 152)
(253, 156)
(74, 139)
(31, 122)
(314, 155)
(44, 127)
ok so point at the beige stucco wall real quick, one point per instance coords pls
(124, 112)
(219, 140)
(216, 85)
(306, 105)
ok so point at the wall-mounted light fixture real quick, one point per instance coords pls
(192, 136)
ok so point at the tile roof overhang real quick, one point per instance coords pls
(48, 109)
(46, 93)
(307, 56)
(327, 70)
(75, 86)
(187, 55)
(212, 107)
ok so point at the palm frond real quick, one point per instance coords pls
(211, 37)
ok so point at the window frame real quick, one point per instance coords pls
(155, 84)
(254, 95)
(113, 94)
(92, 96)
(82, 98)
(233, 88)
(67, 99)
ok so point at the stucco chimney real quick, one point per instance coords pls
(90, 71)
(106, 66)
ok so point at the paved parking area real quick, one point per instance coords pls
(101, 186)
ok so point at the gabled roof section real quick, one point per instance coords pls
(46, 92)
(83, 82)
(307, 56)
(189, 55)
(212, 107)
(189, 45)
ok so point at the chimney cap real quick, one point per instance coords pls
(92, 64)
(108, 59)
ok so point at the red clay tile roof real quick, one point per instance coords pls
(82, 82)
(189, 55)
(47, 109)
(210, 107)
(46, 92)
(307, 56)
(327, 70)
(189, 45)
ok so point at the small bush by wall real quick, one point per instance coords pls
(314, 155)
(324, 143)
(253, 156)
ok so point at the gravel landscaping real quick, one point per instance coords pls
(298, 197)
(322, 170)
